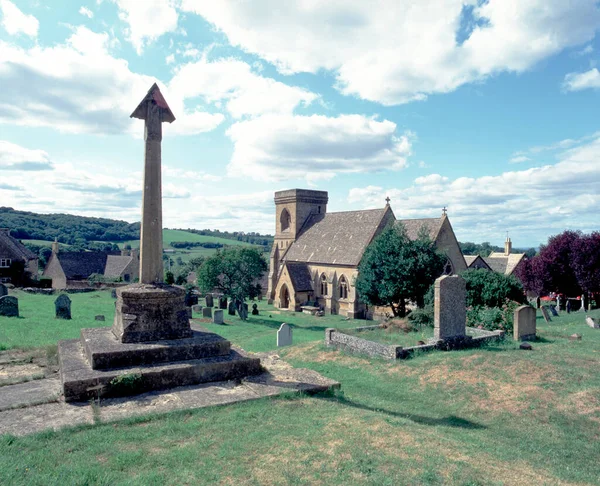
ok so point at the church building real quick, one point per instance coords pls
(315, 255)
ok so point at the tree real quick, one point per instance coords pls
(234, 272)
(585, 261)
(395, 269)
(491, 289)
(169, 278)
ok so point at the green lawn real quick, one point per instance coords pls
(494, 415)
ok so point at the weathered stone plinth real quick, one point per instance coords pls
(150, 312)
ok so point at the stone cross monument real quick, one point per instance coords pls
(154, 111)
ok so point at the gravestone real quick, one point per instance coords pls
(206, 312)
(553, 311)
(254, 309)
(524, 323)
(222, 302)
(9, 306)
(243, 311)
(62, 306)
(269, 301)
(582, 308)
(593, 323)
(191, 299)
(197, 308)
(231, 308)
(284, 335)
(189, 312)
(3, 290)
(450, 312)
(209, 300)
(218, 316)
(558, 302)
(545, 314)
(113, 293)
(99, 317)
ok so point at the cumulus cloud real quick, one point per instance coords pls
(15, 157)
(147, 20)
(531, 203)
(16, 22)
(394, 52)
(581, 81)
(86, 12)
(518, 158)
(286, 147)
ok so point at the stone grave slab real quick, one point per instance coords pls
(209, 300)
(218, 316)
(222, 302)
(231, 308)
(524, 327)
(553, 310)
(284, 335)
(207, 312)
(545, 314)
(450, 311)
(9, 306)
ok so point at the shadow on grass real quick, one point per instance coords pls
(449, 421)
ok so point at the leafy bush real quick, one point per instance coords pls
(169, 278)
(422, 317)
(493, 318)
(491, 289)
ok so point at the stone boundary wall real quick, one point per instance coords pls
(339, 339)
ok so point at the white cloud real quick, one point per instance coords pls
(15, 157)
(147, 20)
(79, 87)
(15, 21)
(285, 147)
(398, 51)
(580, 81)
(233, 82)
(531, 204)
(170, 59)
(518, 158)
(86, 12)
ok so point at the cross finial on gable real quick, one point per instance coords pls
(444, 211)
(387, 200)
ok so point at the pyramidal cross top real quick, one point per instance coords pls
(154, 110)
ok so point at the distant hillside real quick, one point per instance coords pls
(67, 228)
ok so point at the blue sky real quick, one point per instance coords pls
(486, 107)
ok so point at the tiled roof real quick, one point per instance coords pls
(336, 238)
(13, 248)
(470, 259)
(499, 262)
(413, 227)
(115, 265)
(80, 265)
(300, 276)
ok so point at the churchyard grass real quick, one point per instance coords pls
(493, 415)
(394, 336)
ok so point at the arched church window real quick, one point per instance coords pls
(285, 220)
(323, 285)
(343, 288)
(448, 269)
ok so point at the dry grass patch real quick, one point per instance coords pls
(585, 403)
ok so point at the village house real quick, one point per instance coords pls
(12, 250)
(316, 254)
(505, 263)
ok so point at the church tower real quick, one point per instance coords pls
(292, 208)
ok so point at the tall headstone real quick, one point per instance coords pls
(284, 335)
(218, 316)
(231, 308)
(9, 306)
(209, 300)
(450, 311)
(524, 323)
(553, 310)
(207, 312)
(545, 314)
(582, 308)
(3, 290)
(558, 302)
(223, 302)
(62, 307)
(254, 309)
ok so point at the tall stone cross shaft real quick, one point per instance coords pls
(154, 111)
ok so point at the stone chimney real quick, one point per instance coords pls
(507, 246)
(135, 253)
(55, 245)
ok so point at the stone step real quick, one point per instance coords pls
(104, 351)
(80, 382)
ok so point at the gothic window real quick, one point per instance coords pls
(343, 288)
(448, 269)
(285, 219)
(323, 285)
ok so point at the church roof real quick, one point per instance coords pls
(501, 263)
(12, 248)
(80, 265)
(336, 238)
(116, 265)
(470, 259)
(300, 276)
(413, 227)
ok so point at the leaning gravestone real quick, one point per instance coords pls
(593, 323)
(3, 290)
(209, 300)
(9, 306)
(218, 316)
(545, 314)
(231, 308)
(206, 312)
(524, 323)
(450, 312)
(284, 335)
(62, 306)
(553, 311)
(222, 302)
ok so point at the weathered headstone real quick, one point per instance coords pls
(450, 311)
(270, 301)
(207, 312)
(558, 302)
(231, 308)
(553, 311)
(254, 309)
(191, 299)
(218, 316)
(284, 335)
(526, 346)
(189, 312)
(582, 308)
(222, 302)
(593, 323)
(62, 306)
(99, 317)
(197, 308)
(209, 300)
(545, 314)
(3, 290)
(243, 311)
(9, 306)
(524, 323)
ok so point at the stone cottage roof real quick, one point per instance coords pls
(470, 260)
(80, 265)
(12, 248)
(116, 265)
(501, 263)
(335, 238)
(413, 227)
(300, 276)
